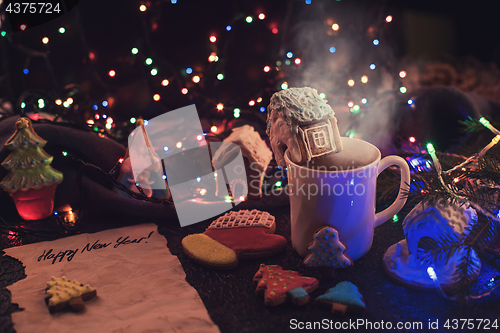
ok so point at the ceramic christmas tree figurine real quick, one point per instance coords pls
(31, 181)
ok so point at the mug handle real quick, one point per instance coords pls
(400, 201)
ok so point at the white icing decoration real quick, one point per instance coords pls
(243, 218)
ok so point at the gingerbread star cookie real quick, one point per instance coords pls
(62, 294)
(236, 235)
(279, 285)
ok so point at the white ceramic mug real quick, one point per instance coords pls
(339, 190)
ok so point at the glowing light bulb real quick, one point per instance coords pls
(203, 191)
(274, 30)
(165, 83)
(410, 102)
(430, 148)
(213, 129)
(3, 33)
(62, 30)
(165, 149)
(259, 99)
(332, 49)
(45, 40)
(388, 18)
(262, 16)
(135, 50)
(105, 104)
(402, 90)
(251, 103)
(23, 105)
(154, 71)
(143, 8)
(108, 126)
(112, 73)
(96, 116)
(199, 137)
(412, 139)
(350, 83)
(350, 104)
(364, 79)
(262, 109)
(267, 69)
(220, 76)
(178, 144)
(70, 100)
(376, 42)
(395, 218)
(236, 113)
(373, 66)
(284, 85)
(58, 102)
(196, 79)
(212, 56)
(133, 120)
(109, 120)
(23, 27)
(432, 273)
(228, 28)
(335, 27)
(402, 74)
(213, 39)
(289, 55)
(363, 100)
(189, 70)
(148, 61)
(156, 97)
(249, 19)
(220, 106)
(308, 2)
(184, 91)
(322, 95)
(297, 61)
(26, 71)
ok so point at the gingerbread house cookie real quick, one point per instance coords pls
(302, 121)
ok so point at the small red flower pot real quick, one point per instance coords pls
(35, 204)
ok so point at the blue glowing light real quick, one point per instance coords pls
(173, 2)
(189, 70)
(410, 102)
(289, 55)
(165, 148)
(26, 71)
(104, 116)
(308, 2)
(262, 109)
(376, 42)
(373, 66)
(228, 28)
(95, 106)
(332, 49)
(104, 103)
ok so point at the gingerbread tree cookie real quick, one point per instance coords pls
(344, 297)
(327, 250)
(62, 293)
(279, 285)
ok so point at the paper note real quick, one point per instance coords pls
(140, 285)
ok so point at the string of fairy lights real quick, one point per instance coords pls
(189, 81)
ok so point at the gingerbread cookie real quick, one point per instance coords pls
(327, 250)
(279, 285)
(302, 121)
(248, 234)
(62, 294)
(344, 297)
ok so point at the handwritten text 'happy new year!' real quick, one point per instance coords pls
(69, 254)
